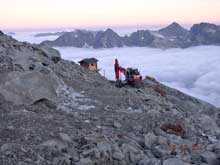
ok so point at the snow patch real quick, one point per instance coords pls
(70, 100)
(157, 34)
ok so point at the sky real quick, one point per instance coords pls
(21, 14)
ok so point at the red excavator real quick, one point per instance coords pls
(132, 76)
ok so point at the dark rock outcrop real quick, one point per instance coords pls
(141, 38)
(205, 34)
(1, 33)
(53, 111)
(107, 39)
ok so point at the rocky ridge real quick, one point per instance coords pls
(172, 36)
(48, 34)
(52, 111)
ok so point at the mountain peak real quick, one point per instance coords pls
(175, 24)
(109, 31)
(173, 29)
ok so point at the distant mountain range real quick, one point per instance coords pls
(172, 36)
(48, 34)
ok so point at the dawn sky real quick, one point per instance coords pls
(91, 13)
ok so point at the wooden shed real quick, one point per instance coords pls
(90, 63)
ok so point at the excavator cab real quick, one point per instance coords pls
(133, 77)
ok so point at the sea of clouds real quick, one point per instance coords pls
(195, 70)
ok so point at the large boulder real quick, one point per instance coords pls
(51, 53)
(26, 76)
(28, 87)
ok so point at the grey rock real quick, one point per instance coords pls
(196, 158)
(28, 88)
(118, 155)
(174, 161)
(160, 151)
(90, 152)
(85, 161)
(209, 158)
(149, 139)
(116, 125)
(51, 53)
(6, 64)
(209, 125)
(149, 161)
(5, 147)
(53, 144)
(64, 137)
(104, 147)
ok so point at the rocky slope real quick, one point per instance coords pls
(172, 36)
(54, 112)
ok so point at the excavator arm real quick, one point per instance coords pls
(119, 69)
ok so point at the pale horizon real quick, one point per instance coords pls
(56, 14)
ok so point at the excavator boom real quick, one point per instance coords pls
(119, 69)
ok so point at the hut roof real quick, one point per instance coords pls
(89, 60)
